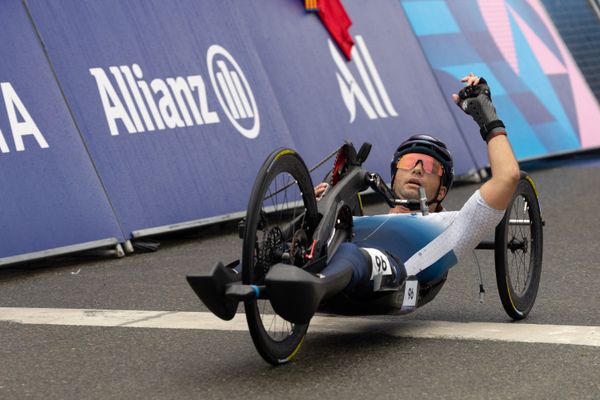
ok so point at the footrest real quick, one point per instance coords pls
(211, 286)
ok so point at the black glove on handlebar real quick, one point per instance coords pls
(477, 102)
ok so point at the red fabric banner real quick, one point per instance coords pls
(336, 21)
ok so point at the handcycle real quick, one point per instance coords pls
(285, 227)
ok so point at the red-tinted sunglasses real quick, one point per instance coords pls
(430, 164)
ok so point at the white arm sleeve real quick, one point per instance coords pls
(474, 222)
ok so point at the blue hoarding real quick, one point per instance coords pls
(385, 94)
(51, 196)
(173, 106)
(172, 100)
(180, 102)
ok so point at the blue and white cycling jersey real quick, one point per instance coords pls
(428, 246)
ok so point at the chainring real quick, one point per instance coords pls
(340, 166)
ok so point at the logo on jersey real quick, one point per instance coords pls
(371, 96)
(133, 103)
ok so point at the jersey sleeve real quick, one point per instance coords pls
(475, 221)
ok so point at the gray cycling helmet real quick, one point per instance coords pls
(426, 144)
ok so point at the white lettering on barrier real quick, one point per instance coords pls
(177, 102)
(162, 103)
(20, 121)
(351, 91)
(113, 108)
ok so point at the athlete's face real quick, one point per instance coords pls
(415, 170)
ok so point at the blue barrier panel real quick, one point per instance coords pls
(171, 99)
(385, 94)
(180, 102)
(51, 195)
(537, 88)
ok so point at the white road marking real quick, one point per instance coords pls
(395, 326)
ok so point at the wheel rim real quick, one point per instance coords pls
(518, 252)
(520, 257)
(278, 240)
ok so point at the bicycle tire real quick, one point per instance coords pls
(255, 264)
(520, 232)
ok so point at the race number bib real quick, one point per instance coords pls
(410, 294)
(380, 262)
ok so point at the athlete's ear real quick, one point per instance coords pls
(442, 193)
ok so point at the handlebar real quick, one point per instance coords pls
(361, 179)
(376, 183)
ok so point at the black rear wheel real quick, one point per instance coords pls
(518, 253)
(280, 221)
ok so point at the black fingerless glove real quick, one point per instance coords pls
(477, 102)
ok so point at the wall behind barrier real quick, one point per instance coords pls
(51, 196)
(537, 88)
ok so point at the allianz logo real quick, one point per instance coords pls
(372, 96)
(133, 103)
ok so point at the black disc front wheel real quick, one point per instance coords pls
(280, 221)
(518, 253)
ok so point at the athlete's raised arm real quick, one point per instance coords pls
(475, 99)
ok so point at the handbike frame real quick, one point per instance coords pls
(335, 225)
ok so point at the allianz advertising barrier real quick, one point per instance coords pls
(179, 102)
(385, 94)
(145, 82)
(52, 200)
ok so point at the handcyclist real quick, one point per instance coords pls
(425, 161)
(360, 268)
